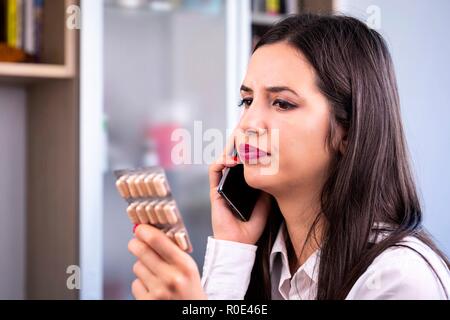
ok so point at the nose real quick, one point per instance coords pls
(253, 121)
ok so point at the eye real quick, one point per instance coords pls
(246, 102)
(284, 105)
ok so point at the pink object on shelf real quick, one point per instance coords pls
(161, 134)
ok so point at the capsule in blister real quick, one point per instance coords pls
(132, 186)
(170, 234)
(149, 185)
(122, 187)
(141, 212)
(182, 240)
(171, 212)
(140, 185)
(161, 186)
(132, 214)
(159, 208)
(151, 214)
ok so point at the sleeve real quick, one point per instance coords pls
(401, 274)
(227, 269)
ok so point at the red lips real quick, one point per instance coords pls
(249, 152)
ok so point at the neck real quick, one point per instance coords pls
(300, 209)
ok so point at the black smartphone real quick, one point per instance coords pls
(239, 195)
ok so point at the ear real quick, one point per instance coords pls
(340, 139)
(343, 144)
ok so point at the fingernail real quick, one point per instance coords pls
(235, 158)
(134, 228)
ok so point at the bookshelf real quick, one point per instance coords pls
(52, 155)
(33, 71)
(58, 60)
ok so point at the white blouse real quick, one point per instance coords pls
(397, 273)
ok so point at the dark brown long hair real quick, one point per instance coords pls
(372, 180)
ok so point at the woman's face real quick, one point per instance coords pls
(286, 116)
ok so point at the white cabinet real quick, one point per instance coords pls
(145, 72)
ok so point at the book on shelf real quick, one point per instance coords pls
(266, 13)
(2, 21)
(275, 7)
(21, 30)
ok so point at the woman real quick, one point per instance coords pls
(340, 218)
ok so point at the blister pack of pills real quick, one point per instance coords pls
(150, 201)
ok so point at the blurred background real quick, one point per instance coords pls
(80, 98)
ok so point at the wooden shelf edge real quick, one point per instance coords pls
(34, 71)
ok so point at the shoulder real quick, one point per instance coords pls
(411, 270)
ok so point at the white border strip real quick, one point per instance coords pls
(91, 175)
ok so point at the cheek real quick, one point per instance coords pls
(303, 150)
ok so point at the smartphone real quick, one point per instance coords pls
(240, 197)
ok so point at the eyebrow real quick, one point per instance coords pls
(271, 89)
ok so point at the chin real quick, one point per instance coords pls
(257, 180)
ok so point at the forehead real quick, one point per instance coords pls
(279, 64)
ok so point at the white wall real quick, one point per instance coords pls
(418, 36)
(12, 192)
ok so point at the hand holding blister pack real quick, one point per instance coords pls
(150, 201)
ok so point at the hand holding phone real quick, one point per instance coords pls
(228, 224)
(239, 195)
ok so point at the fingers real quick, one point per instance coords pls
(215, 170)
(162, 245)
(158, 280)
(148, 285)
(156, 265)
(138, 290)
(148, 257)
(223, 161)
(148, 279)
(163, 269)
